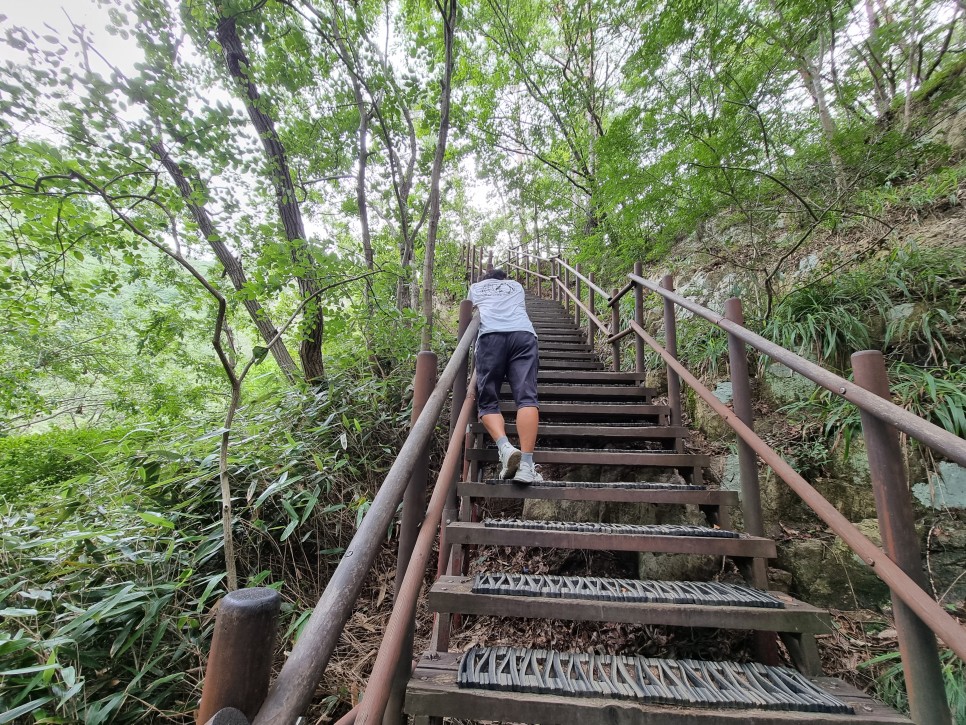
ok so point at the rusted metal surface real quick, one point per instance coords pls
(671, 344)
(242, 650)
(618, 295)
(434, 692)
(933, 436)
(897, 527)
(624, 493)
(577, 301)
(580, 277)
(228, 716)
(292, 690)
(401, 620)
(456, 406)
(591, 312)
(414, 508)
(938, 620)
(615, 350)
(639, 319)
(741, 392)
(414, 500)
(745, 546)
(579, 305)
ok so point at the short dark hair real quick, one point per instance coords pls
(494, 274)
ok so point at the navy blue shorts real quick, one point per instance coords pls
(510, 356)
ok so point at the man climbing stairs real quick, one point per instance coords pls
(605, 422)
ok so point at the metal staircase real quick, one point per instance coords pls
(592, 417)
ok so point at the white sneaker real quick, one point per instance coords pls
(527, 473)
(509, 461)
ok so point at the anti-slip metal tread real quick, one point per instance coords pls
(599, 528)
(682, 682)
(628, 485)
(623, 590)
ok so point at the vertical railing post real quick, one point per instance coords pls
(741, 395)
(459, 396)
(413, 513)
(577, 297)
(448, 557)
(539, 263)
(615, 327)
(591, 327)
(639, 319)
(748, 466)
(242, 651)
(414, 500)
(489, 261)
(917, 644)
(671, 344)
(566, 297)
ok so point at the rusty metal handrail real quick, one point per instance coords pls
(292, 690)
(531, 272)
(590, 315)
(583, 278)
(944, 625)
(373, 705)
(932, 435)
(619, 294)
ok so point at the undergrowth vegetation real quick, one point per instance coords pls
(109, 581)
(911, 305)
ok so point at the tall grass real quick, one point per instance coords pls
(108, 583)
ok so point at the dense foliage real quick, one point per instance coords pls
(226, 226)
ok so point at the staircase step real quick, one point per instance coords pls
(591, 431)
(635, 539)
(596, 392)
(656, 493)
(567, 355)
(591, 599)
(602, 457)
(604, 377)
(562, 346)
(571, 364)
(434, 691)
(655, 413)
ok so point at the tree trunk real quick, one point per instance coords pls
(812, 79)
(310, 350)
(231, 264)
(447, 9)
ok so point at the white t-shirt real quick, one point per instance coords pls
(502, 305)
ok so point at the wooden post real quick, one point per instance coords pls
(917, 644)
(615, 327)
(591, 327)
(242, 650)
(671, 345)
(639, 319)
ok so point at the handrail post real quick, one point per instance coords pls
(539, 263)
(564, 295)
(577, 296)
(553, 284)
(615, 327)
(639, 319)
(242, 651)
(413, 513)
(489, 261)
(591, 327)
(765, 643)
(671, 344)
(459, 395)
(741, 394)
(414, 500)
(917, 644)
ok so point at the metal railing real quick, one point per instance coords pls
(240, 660)
(919, 618)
